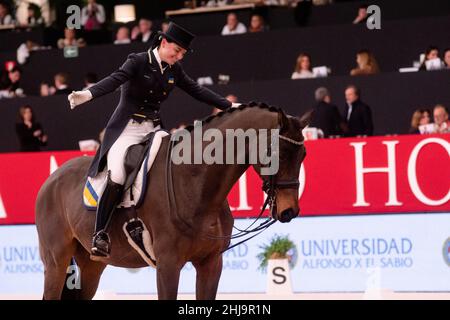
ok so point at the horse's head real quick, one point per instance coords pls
(282, 186)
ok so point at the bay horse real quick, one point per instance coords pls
(200, 229)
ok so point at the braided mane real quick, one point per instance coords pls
(220, 114)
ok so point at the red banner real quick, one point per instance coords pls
(397, 174)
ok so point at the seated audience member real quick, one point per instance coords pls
(70, 40)
(34, 17)
(441, 122)
(122, 36)
(165, 25)
(303, 68)
(10, 83)
(89, 80)
(61, 83)
(145, 31)
(231, 97)
(366, 64)
(357, 114)
(92, 16)
(5, 17)
(46, 90)
(29, 132)
(420, 117)
(447, 58)
(233, 25)
(257, 24)
(326, 116)
(134, 33)
(431, 53)
(361, 17)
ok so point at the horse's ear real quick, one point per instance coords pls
(306, 118)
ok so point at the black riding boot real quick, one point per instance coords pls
(112, 195)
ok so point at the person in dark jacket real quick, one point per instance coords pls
(326, 116)
(147, 80)
(357, 114)
(30, 133)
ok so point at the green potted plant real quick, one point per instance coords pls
(278, 248)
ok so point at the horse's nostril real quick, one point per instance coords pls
(286, 215)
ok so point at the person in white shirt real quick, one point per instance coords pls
(145, 30)
(441, 122)
(303, 67)
(5, 17)
(233, 25)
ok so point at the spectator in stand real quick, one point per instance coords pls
(10, 83)
(134, 33)
(46, 90)
(420, 117)
(123, 36)
(441, 122)
(303, 68)
(233, 25)
(92, 16)
(357, 114)
(34, 16)
(367, 64)
(5, 17)
(361, 17)
(164, 25)
(145, 31)
(431, 53)
(257, 24)
(326, 116)
(61, 84)
(30, 133)
(89, 80)
(231, 97)
(447, 58)
(70, 39)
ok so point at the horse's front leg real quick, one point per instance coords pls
(208, 276)
(167, 277)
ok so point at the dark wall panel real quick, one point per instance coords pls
(259, 56)
(392, 97)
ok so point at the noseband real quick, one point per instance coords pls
(271, 184)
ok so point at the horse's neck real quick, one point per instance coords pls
(212, 183)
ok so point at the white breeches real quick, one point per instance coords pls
(133, 133)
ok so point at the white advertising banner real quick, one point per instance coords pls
(333, 254)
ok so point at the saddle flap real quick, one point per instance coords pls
(134, 158)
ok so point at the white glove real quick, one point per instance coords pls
(235, 105)
(79, 97)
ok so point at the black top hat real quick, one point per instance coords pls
(179, 35)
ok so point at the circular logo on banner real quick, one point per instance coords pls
(446, 251)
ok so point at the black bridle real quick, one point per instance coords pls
(270, 186)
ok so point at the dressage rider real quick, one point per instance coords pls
(147, 78)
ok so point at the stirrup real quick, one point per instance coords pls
(101, 245)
